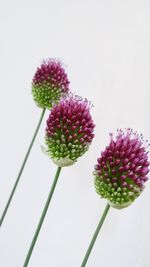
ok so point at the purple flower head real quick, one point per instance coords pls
(49, 84)
(122, 169)
(69, 130)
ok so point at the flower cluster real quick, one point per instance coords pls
(49, 84)
(122, 169)
(69, 130)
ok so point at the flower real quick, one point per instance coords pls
(69, 130)
(121, 171)
(49, 84)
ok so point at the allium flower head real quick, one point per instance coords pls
(69, 130)
(121, 171)
(49, 83)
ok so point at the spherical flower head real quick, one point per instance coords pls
(121, 171)
(49, 84)
(69, 130)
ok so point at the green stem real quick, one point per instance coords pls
(22, 168)
(42, 218)
(95, 235)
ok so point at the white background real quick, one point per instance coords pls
(106, 47)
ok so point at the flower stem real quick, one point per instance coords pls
(42, 218)
(95, 235)
(22, 168)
